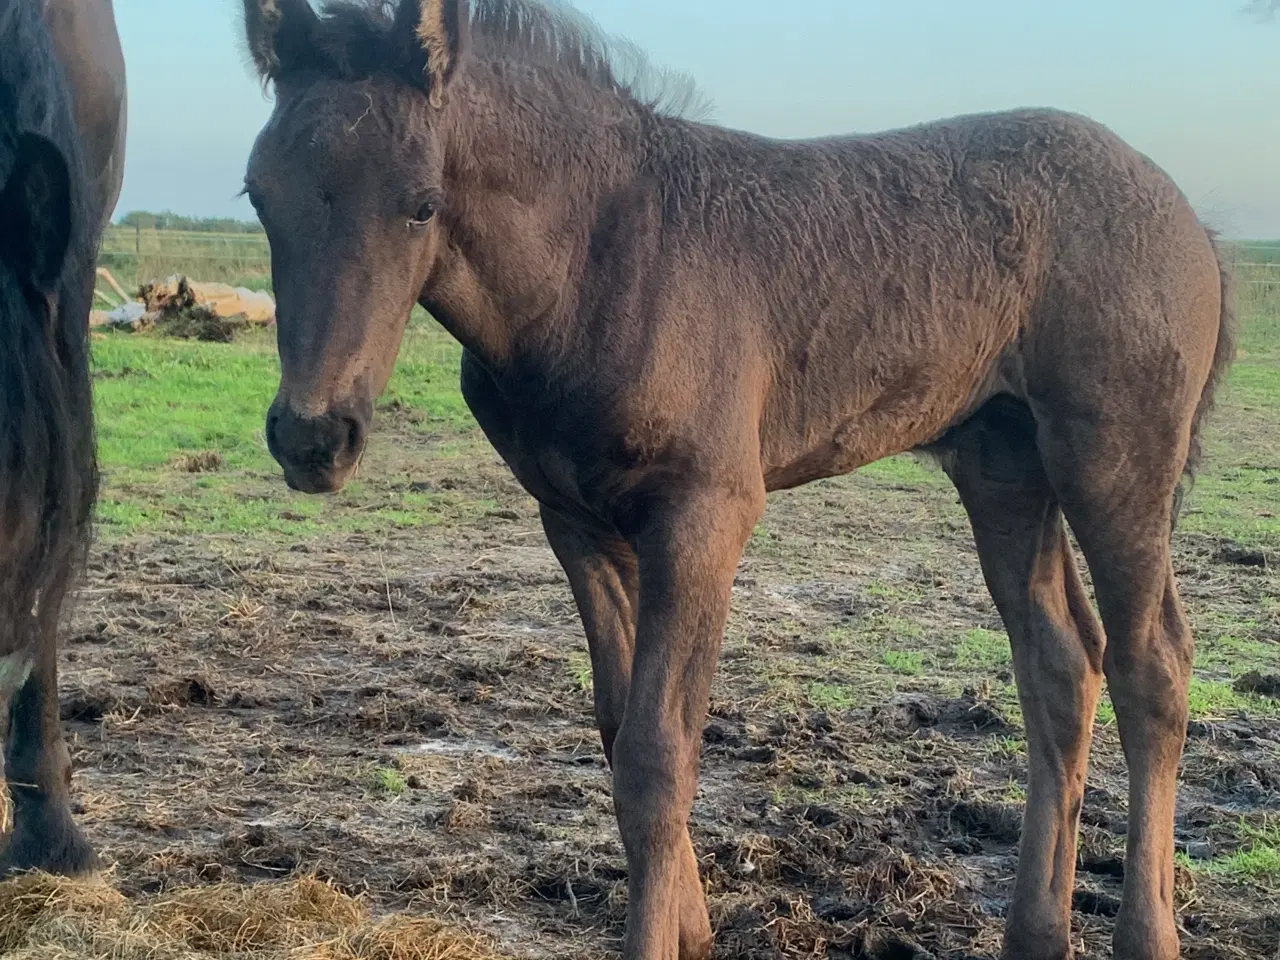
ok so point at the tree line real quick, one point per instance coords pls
(174, 221)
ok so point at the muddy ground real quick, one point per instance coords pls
(410, 716)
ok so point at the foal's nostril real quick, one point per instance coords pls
(273, 425)
(355, 435)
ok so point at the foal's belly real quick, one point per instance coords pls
(911, 413)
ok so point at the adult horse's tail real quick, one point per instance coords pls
(1224, 353)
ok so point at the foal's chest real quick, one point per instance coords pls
(542, 444)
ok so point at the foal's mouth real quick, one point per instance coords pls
(314, 479)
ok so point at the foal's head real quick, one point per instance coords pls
(347, 177)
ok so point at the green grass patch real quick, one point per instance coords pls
(1207, 699)
(183, 450)
(580, 671)
(907, 662)
(1213, 698)
(1256, 862)
(983, 650)
(831, 696)
(905, 470)
(1238, 493)
(388, 781)
(1106, 713)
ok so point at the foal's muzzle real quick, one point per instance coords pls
(319, 454)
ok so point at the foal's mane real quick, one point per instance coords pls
(356, 39)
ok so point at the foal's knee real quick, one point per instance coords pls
(652, 785)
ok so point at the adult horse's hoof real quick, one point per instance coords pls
(45, 838)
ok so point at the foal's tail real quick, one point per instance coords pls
(1224, 353)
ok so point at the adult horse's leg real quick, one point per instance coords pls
(1057, 654)
(688, 553)
(603, 573)
(38, 770)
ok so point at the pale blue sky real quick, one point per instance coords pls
(1193, 83)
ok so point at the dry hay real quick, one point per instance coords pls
(214, 312)
(52, 918)
(199, 461)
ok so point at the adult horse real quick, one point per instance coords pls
(48, 232)
(664, 320)
(87, 43)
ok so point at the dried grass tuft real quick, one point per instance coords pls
(200, 461)
(406, 938)
(36, 908)
(51, 918)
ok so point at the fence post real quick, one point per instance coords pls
(137, 253)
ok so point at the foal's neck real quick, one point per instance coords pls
(532, 158)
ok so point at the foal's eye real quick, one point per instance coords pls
(423, 216)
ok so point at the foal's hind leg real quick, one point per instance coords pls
(1118, 499)
(603, 573)
(1057, 654)
(38, 770)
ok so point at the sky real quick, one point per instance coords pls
(1194, 84)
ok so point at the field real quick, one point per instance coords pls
(388, 690)
(137, 256)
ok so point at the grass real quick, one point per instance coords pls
(164, 406)
(1238, 494)
(982, 649)
(1210, 699)
(388, 781)
(580, 671)
(1256, 862)
(162, 402)
(831, 696)
(909, 663)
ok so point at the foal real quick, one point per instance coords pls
(664, 320)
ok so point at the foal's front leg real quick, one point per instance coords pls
(604, 575)
(688, 554)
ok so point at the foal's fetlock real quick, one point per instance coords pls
(696, 946)
(1021, 943)
(1150, 939)
(696, 939)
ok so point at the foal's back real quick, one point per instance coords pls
(897, 282)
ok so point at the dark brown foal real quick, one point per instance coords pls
(663, 320)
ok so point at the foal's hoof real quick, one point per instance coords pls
(46, 838)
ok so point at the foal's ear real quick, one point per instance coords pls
(35, 213)
(277, 32)
(439, 32)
